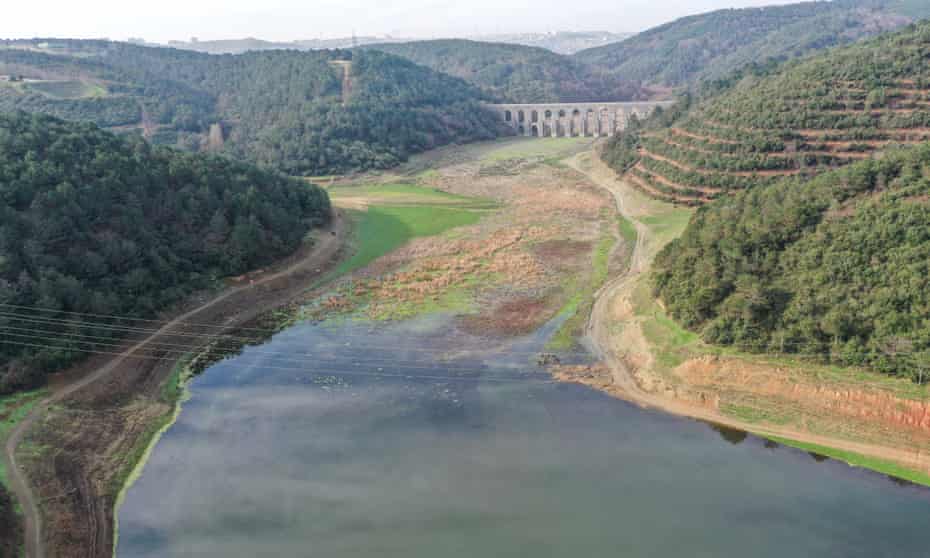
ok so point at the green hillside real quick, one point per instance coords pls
(94, 223)
(801, 118)
(286, 109)
(836, 268)
(714, 44)
(515, 73)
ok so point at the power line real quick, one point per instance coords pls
(208, 337)
(271, 355)
(123, 317)
(243, 364)
(121, 328)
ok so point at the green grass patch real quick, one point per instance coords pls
(857, 460)
(755, 415)
(14, 408)
(627, 231)
(581, 297)
(381, 230)
(669, 224)
(669, 341)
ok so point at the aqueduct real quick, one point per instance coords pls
(573, 119)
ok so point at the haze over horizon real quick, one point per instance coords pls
(289, 20)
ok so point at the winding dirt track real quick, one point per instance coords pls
(598, 340)
(319, 256)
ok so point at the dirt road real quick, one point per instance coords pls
(316, 260)
(624, 383)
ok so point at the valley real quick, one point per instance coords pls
(446, 329)
(498, 257)
(560, 294)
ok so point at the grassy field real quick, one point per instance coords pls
(581, 299)
(381, 230)
(670, 343)
(668, 225)
(398, 213)
(627, 231)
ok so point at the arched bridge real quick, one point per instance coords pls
(573, 119)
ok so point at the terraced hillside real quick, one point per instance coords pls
(834, 268)
(806, 117)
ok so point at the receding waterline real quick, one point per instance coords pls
(428, 452)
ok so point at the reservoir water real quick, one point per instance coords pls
(415, 440)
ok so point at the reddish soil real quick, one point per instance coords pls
(709, 139)
(641, 184)
(509, 318)
(875, 409)
(596, 375)
(674, 185)
(707, 190)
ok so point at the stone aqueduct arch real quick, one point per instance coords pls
(573, 119)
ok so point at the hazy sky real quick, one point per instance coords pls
(161, 20)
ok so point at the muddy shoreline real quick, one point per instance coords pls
(102, 415)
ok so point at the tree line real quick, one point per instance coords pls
(98, 224)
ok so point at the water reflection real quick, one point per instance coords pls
(736, 436)
(416, 440)
(731, 435)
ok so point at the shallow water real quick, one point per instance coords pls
(414, 440)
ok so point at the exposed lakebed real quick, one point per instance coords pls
(414, 439)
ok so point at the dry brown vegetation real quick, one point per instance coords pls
(506, 275)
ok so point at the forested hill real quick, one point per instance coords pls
(837, 267)
(714, 44)
(94, 223)
(286, 109)
(800, 118)
(518, 74)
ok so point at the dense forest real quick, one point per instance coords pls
(286, 109)
(518, 74)
(95, 223)
(799, 118)
(714, 44)
(835, 268)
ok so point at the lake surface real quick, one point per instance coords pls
(415, 440)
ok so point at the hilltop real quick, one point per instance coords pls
(800, 118)
(714, 44)
(94, 223)
(561, 42)
(295, 111)
(834, 268)
(516, 73)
